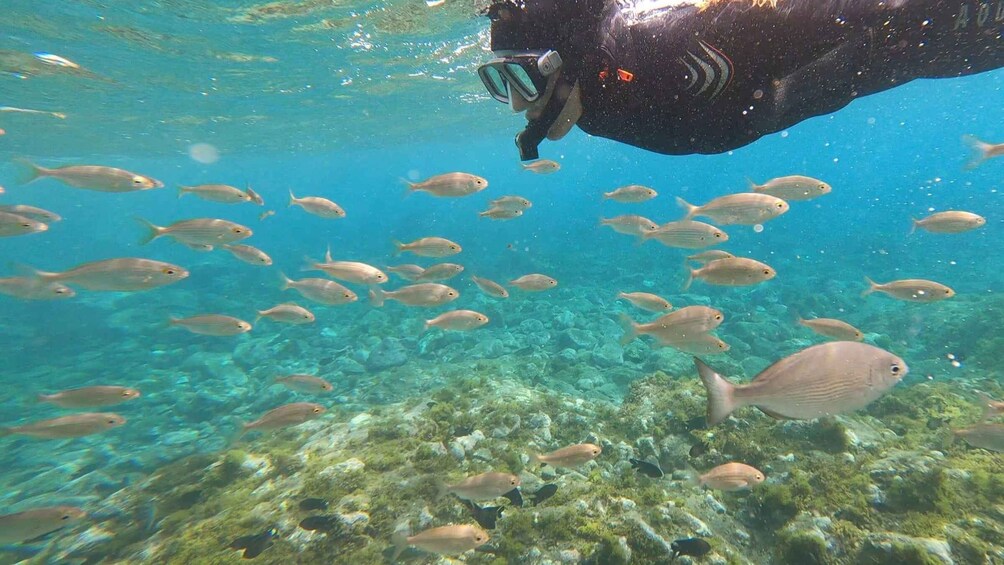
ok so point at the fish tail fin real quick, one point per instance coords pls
(978, 151)
(327, 255)
(30, 172)
(752, 186)
(43, 398)
(689, 208)
(286, 281)
(630, 329)
(29, 271)
(152, 231)
(691, 476)
(311, 264)
(425, 326)
(872, 287)
(721, 393)
(442, 489)
(535, 459)
(400, 540)
(182, 190)
(608, 195)
(292, 198)
(259, 316)
(398, 247)
(409, 186)
(913, 227)
(255, 197)
(988, 412)
(690, 277)
(377, 297)
(6, 431)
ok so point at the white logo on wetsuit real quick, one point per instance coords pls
(713, 71)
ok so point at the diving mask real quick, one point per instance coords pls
(525, 72)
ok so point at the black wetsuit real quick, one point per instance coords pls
(707, 81)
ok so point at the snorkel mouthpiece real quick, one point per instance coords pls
(527, 142)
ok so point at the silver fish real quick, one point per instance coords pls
(285, 416)
(13, 225)
(31, 212)
(825, 379)
(832, 328)
(118, 275)
(288, 313)
(911, 290)
(792, 187)
(450, 185)
(249, 254)
(484, 486)
(952, 221)
(33, 288)
(91, 177)
(198, 232)
(212, 324)
(305, 383)
(490, 287)
(216, 193)
(458, 320)
(77, 425)
(746, 208)
(320, 290)
(686, 234)
(571, 456)
(90, 397)
(37, 522)
(423, 294)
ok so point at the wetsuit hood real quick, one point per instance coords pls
(566, 26)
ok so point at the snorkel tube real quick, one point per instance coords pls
(536, 129)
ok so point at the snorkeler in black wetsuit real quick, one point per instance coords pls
(681, 77)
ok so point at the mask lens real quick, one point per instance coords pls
(494, 82)
(521, 80)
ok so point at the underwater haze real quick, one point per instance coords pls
(348, 101)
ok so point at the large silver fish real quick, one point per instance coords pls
(830, 378)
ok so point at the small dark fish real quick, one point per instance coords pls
(321, 523)
(695, 547)
(255, 544)
(646, 468)
(543, 493)
(309, 504)
(699, 449)
(485, 516)
(514, 497)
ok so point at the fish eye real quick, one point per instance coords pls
(65, 517)
(479, 537)
(317, 410)
(766, 271)
(138, 180)
(111, 421)
(947, 291)
(168, 271)
(895, 369)
(717, 235)
(780, 204)
(126, 394)
(347, 295)
(718, 316)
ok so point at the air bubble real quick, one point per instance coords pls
(204, 153)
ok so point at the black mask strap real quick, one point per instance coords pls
(536, 130)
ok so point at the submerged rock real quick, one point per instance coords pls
(388, 353)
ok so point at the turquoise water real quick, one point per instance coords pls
(333, 110)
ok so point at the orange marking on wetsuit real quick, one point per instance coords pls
(625, 76)
(603, 75)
